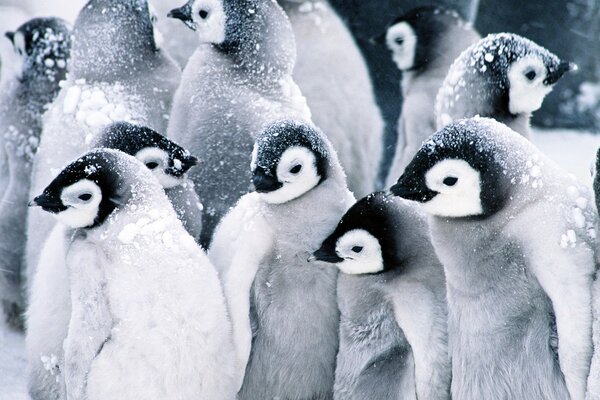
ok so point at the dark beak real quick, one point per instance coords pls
(555, 75)
(324, 254)
(188, 162)
(184, 13)
(10, 36)
(410, 192)
(48, 203)
(265, 183)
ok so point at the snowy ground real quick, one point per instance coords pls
(574, 151)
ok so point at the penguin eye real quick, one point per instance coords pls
(296, 169)
(85, 196)
(203, 14)
(450, 181)
(357, 249)
(530, 75)
(151, 164)
(399, 41)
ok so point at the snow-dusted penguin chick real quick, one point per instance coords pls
(42, 46)
(283, 309)
(388, 349)
(334, 77)
(116, 73)
(503, 76)
(49, 307)
(237, 81)
(515, 234)
(593, 389)
(148, 316)
(424, 42)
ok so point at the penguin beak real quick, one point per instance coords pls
(189, 162)
(412, 192)
(265, 183)
(10, 36)
(324, 254)
(184, 13)
(556, 74)
(48, 203)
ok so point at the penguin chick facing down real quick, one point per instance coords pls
(504, 76)
(388, 349)
(148, 316)
(424, 42)
(284, 311)
(515, 234)
(49, 307)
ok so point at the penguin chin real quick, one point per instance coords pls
(167, 181)
(77, 218)
(290, 191)
(355, 267)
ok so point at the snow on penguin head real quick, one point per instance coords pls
(91, 188)
(168, 161)
(43, 45)
(289, 159)
(470, 168)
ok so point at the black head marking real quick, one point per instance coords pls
(131, 139)
(275, 140)
(466, 140)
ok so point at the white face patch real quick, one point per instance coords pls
(157, 161)
(297, 171)
(158, 37)
(82, 199)
(458, 186)
(402, 41)
(361, 252)
(527, 89)
(19, 46)
(209, 20)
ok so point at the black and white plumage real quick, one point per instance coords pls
(503, 76)
(283, 309)
(148, 316)
(392, 300)
(515, 235)
(424, 42)
(116, 73)
(334, 78)
(238, 80)
(42, 46)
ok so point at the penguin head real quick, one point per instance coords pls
(364, 241)
(206, 17)
(168, 161)
(288, 160)
(459, 171)
(415, 37)
(43, 45)
(88, 190)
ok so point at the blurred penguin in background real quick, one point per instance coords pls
(177, 39)
(334, 78)
(424, 42)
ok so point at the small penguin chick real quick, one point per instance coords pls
(504, 76)
(288, 160)
(167, 160)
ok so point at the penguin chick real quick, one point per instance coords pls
(238, 81)
(333, 76)
(424, 42)
(503, 76)
(515, 235)
(148, 316)
(49, 308)
(284, 312)
(42, 46)
(388, 350)
(116, 73)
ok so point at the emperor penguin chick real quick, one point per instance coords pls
(148, 316)
(392, 300)
(42, 46)
(515, 234)
(334, 78)
(503, 76)
(49, 307)
(424, 43)
(283, 310)
(237, 81)
(116, 73)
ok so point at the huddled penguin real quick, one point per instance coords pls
(11, 17)
(334, 78)
(43, 46)
(515, 234)
(49, 308)
(392, 301)
(424, 43)
(237, 81)
(283, 309)
(148, 317)
(116, 73)
(503, 76)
